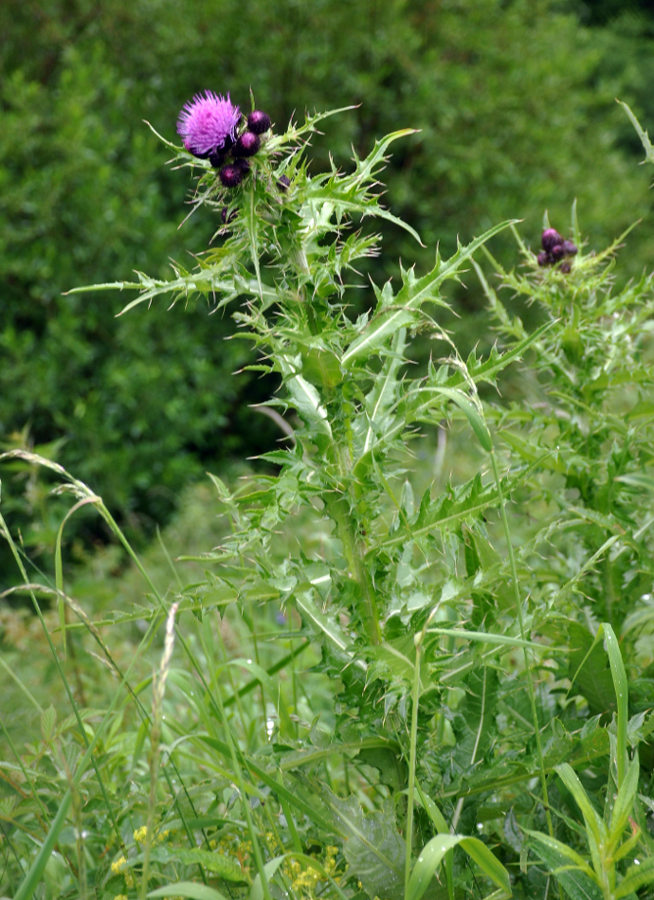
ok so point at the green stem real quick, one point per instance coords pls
(354, 557)
(415, 699)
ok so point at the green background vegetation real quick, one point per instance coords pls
(515, 106)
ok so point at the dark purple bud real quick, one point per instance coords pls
(557, 252)
(231, 176)
(226, 216)
(284, 182)
(550, 238)
(218, 158)
(569, 248)
(195, 153)
(543, 258)
(242, 165)
(247, 144)
(565, 267)
(258, 121)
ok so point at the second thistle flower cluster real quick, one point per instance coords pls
(213, 128)
(555, 249)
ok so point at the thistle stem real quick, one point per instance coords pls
(353, 552)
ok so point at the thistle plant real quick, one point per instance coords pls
(420, 648)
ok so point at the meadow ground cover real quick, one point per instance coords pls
(418, 660)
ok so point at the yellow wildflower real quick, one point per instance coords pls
(118, 865)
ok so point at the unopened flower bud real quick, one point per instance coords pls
(569, 248)
(565, 267)
(242, 165)
(258, 121)
(284, 182)
(231, 176)
(247, 144)
(550, 238)
(218, 158)
(195, 153)
(557, 252)
(543, 258)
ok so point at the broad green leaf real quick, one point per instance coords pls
(189, 891)
(433, 811)
(570, 869)
(596, 832)
(588, 669)
(619, 675)
(269, 869)
(435, 850)
(474, 720)
(472, 413)
(218, 863)
(372, 846)
(636, 877)
(321, 366)
(624, 801)
(440, 824)
(304, 396)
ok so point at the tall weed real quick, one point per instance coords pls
(419, 661)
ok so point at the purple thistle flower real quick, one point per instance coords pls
(207, 123)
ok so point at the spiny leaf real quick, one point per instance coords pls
(372, 846)
(642, 134)
(412, 295)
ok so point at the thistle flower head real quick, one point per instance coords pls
(207, 123)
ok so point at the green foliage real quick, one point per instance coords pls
(387, 673)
